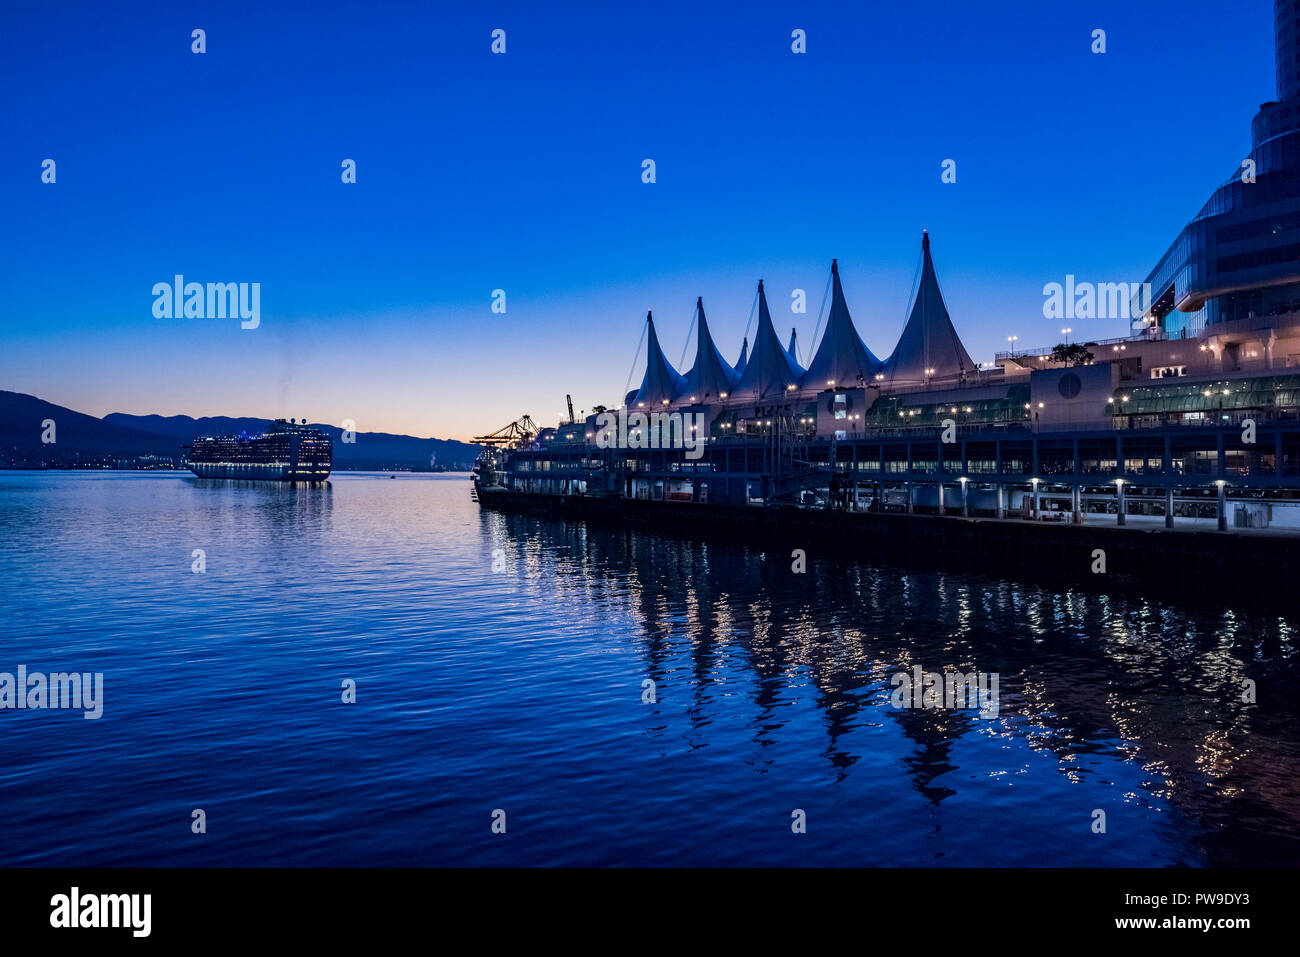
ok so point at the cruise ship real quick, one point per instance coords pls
(285, 452)
(1192, 419)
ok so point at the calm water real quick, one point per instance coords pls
(521, 689)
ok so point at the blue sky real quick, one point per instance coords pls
(523, 172)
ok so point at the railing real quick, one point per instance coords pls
(862, 435)
(1090, 343)
(1226, 327)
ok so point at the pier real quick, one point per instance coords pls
(1176, 476)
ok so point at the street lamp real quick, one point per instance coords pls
(1066, 333)
(1012, 340)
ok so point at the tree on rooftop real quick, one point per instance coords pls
(1071, 355)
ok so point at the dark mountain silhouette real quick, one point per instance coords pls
(22, 419)
(82, 439)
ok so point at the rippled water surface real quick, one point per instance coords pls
(499, 663)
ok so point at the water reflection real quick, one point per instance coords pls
(1163, 689)
(287, 508)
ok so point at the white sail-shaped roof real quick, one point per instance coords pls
(793, 347)
(662, 382)
(842, 359)
(710, 377)
(929, 347)
(771, 371)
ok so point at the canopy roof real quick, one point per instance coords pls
(771, 370)
(929, 347)
(710, 376)
(662, 382)
(744, 358)
(793, 347)
(842, 358)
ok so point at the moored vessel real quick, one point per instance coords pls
(285, 452)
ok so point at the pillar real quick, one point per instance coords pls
(1119, 504)
(1223, 506)
(908, 486)
(1169, 507)
(965, 500)
(1002, 502)
(1076, 510)
(1037, 513)
(941, 509)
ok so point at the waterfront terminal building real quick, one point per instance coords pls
(1151, 426)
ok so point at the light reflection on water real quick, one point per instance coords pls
(522, 690)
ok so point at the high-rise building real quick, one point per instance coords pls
(1239, 257)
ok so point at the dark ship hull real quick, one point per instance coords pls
(285, 452)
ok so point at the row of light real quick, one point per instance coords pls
(880, 376)
(1207, 393)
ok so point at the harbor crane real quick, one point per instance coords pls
(518, 433)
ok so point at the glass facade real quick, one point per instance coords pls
(1239, 257)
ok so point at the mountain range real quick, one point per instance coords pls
(81, 439)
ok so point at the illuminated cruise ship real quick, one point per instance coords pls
(285, 452)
